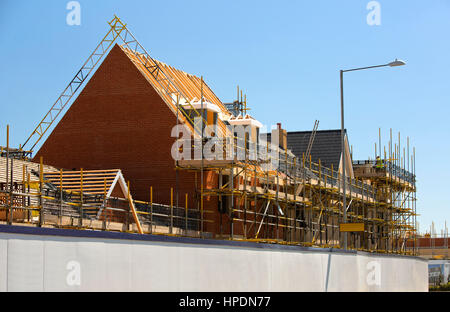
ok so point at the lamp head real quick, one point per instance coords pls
(397, 63)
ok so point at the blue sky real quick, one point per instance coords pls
(286, 55)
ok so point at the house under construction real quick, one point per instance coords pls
(110, 165)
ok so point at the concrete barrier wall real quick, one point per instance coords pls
(63, 260)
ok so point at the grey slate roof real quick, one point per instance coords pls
(326, 146)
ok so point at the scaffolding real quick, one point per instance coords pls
(269, 196)
(263, 193)
(287, 200)
(39, 195)
(84, 200)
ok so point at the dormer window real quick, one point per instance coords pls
(252, 128)
(208, 111)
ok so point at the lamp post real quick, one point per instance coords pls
(344, 178)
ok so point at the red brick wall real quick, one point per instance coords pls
(426, 242)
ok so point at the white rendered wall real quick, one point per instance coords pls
(53, 263)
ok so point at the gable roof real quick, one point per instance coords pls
(95, 182)
(326, 146)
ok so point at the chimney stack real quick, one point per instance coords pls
(281, 134)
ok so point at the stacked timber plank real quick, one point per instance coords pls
(18, 168)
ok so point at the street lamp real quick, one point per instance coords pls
(391, 64)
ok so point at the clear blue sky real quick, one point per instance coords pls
(285, 54)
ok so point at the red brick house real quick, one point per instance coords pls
(120, 120)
